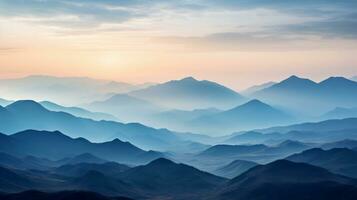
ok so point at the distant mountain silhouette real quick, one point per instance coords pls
(253, 137)
(64, 90)
(340, 113)
(178, 120)
(55, 145)
(126, 107)
(223, 150)
(256, 153)
(253, 114)
(283, 179)
(26, 114)
(255, 88)
(82, 158)
(75, 170)
(76, 111)
(10, 161)
(321, 126)
(315, 97)
(160, 178)
(339, 160)
(235, 168)
(189, 93)
(347, 143)
(35, 163)
(65, 195)
(166, 178)
(100, 183)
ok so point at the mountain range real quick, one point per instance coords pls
(189, 93)
(46, 144)
(64, 90)
(160, 178)
(235, 168)
(338, 160)
(126, 107)
(340, 113)
(316, 98)
(253, 114)
(23, 115)
(283, 179)
(77, 111)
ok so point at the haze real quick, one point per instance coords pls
(236, 43)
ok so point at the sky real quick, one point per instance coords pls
(235, 42)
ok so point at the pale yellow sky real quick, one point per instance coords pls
(155, 43)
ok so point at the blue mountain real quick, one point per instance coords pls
(23, 115)
(235, 168)
(316, 98)
(340, 113)
(283, 179)
(77, 111)
(126, 107)
(55, 146)
(189, 93)
(338, 160)
(253, 114)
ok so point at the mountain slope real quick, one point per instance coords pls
(316, 97)
(340, 161)
(235, 168)
(166, 178)
(253, 114)
(347, 143)
(55, 145)
(76, 170)
(340, 113)
(321, 126)
(126, 107)
(76, 111)
(288, 180)
(249, 91)
(23, 115)
(258, 153)
(189, 93)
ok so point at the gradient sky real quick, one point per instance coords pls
(234, 42)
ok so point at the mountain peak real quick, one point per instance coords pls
(256, 104)
(25, 105)
(189, 78)
(295, 80)
(161, 161)
(337, 80)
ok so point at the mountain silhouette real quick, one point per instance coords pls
(235, 168)
(27, 114)
(288, 180)
(317, 98)
(63, 90)
(340, 113)
(347, 143)
(253, 114)
(76, 170)
(338, 160)
(76, 111)
(166, 178)
(55, 145)
(189, 93)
